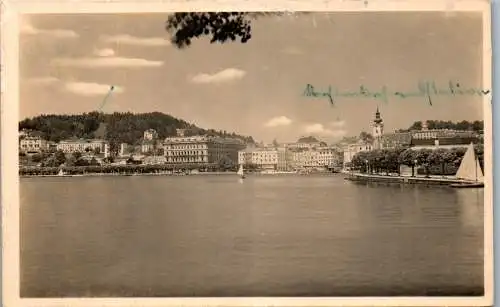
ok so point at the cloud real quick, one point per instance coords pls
(319, 129)
(43, 80)
(278, 121)
(29, 29)
(106, 52)
(91, 89)
(126, 39)
(292, 51)
(106, 62)
(225, 75)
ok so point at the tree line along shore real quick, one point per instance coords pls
(441, 161)
(120, 169)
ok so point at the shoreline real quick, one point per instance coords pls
(358, 177)
(174, 174)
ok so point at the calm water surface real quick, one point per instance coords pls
(269, 236)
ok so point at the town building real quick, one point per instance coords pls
(283, 164)
(306, 158)
(418, 139)
(305, 143)
(148, 146)
(201, 149)
(352, 149)
(124, 150)
(149, 141)
(82, 145)
(442, 138)
(32, 144)
(395, 140)
(24, 133)
(328, 157)
(150, 135)
(260, 158)
(320, 158)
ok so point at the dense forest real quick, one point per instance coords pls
(477, 125)
(116, 127)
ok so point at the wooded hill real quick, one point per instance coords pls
(116, 127)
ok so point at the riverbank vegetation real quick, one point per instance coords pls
(128, 169)
(441, 161)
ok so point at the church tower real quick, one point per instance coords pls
(378, 130)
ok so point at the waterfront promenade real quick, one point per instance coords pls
(429, 180)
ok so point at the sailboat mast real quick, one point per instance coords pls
(476, 162)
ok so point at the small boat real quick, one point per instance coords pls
(469, 171)
(240, 172)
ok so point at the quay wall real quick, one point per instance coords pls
(356, 177)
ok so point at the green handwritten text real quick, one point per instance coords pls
(424, 89)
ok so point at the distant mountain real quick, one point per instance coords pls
(116, 127)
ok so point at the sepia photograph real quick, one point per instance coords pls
(232, 153)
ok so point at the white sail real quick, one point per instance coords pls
(469, 167)
(240, 170)
(61, 173)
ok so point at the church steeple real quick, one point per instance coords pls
(378, 129)
(378, 119)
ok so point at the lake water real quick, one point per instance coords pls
(268, 236)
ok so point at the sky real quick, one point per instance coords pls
(69, 62)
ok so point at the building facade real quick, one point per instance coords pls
(328, 157)
(395, 140)
(148, 146)
(201, 149)
(124, 149)
(283, 161)
(442, 138)
(261, 158)
(82, 145)
(352, 149)
(32, 144)
(150, 135)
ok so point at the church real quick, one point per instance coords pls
(419, 139)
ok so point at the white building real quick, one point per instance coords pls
(262, 158)
(327, 156)
(283, 159)
(150, 135)
(148, 146)
(352, 149)
(305, 159)
(82, 145)
(201, 149)
(303, 145)
(123, 149)
(32, 144)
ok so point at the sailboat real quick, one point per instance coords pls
(469, 171)
(61, 173)
(240, 172)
